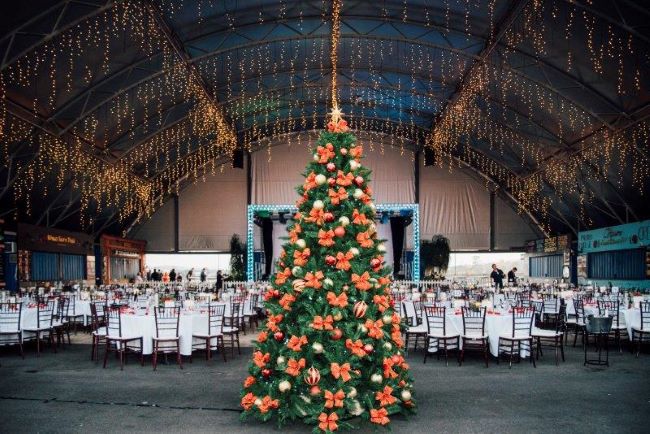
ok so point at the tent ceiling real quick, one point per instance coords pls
(133, 80)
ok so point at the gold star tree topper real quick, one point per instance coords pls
(336, 114)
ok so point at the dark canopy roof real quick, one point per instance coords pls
(130, 99)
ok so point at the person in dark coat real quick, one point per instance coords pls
(497, 276)
(512, 276)
(219, 282)
(172, 275)
(204, 275)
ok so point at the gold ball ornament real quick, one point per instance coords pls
(298, 285)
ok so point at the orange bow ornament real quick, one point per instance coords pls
(334, 399)
(286, 301)
(343, 260)
(312, 280)
(295, 343)
(260, 359)
(374, 328)
(282, 276)
(363, 238)
(379, 416)
(385, 397)
(316, 216)
(326, 238)
(340, 301)
(325, 153)
(343, 179)
(273, 321)
(248, 401)
(294, 367)
(310, 182)
(356, 347)
(341, 371)
(382, 302)
(359, 218)
(268, 403)
(300, 258)
(361, 282)
(328, 422)
(337, 196)
(320, 323)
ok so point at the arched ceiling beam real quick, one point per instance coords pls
(431, 46)
(473, 72)
(428, 27)
(58, 28)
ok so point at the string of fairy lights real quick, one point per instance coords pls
(120, 150)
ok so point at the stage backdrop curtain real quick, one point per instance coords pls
(211, 212)
(274, 181)
(456, 206)
(158, 231)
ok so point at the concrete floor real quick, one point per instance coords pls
(67, 393)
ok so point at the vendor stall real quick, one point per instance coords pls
(121, 259)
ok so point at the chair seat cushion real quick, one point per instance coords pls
(166, 338)
(474, 337)
(639, 329)
(422, 328)
(545, 333)
(441, 336)
(230, 330)
(101, 331)
(516, 338)
(123, 338)
(619, 327)
(206, 336)
(37, 329)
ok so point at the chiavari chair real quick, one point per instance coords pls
(520, 338)
(167, 339)
(438, 337)
(123, 343)
(474, 336)
(10, 329)
(641, 333)
(216, 314)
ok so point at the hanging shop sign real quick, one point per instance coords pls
(628, 236)
(126, 254)
(37, 238)
(558, 244)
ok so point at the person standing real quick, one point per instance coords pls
(512, 276)
(219, 282)
(497, 276)
(189, 275)
(148, 275)
(172, 275)
(204, 275)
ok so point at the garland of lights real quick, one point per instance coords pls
(133, 181)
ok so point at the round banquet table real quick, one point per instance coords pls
(145, 325)
(496, 325)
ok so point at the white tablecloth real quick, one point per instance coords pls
(145, 326)
(495, 326)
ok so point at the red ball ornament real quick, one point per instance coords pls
(278, 336)
(368, 348)
(395, 358)
(339, 231)
(375, 263)
(344, 151)
(328, 217)
(266, 373)
(312, 376)
(315, 391)
(359, 309)
(331, 182)
(331, 167)
(358, 180)
(337, 334)
(330, 260)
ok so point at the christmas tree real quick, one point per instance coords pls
(331, 349)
